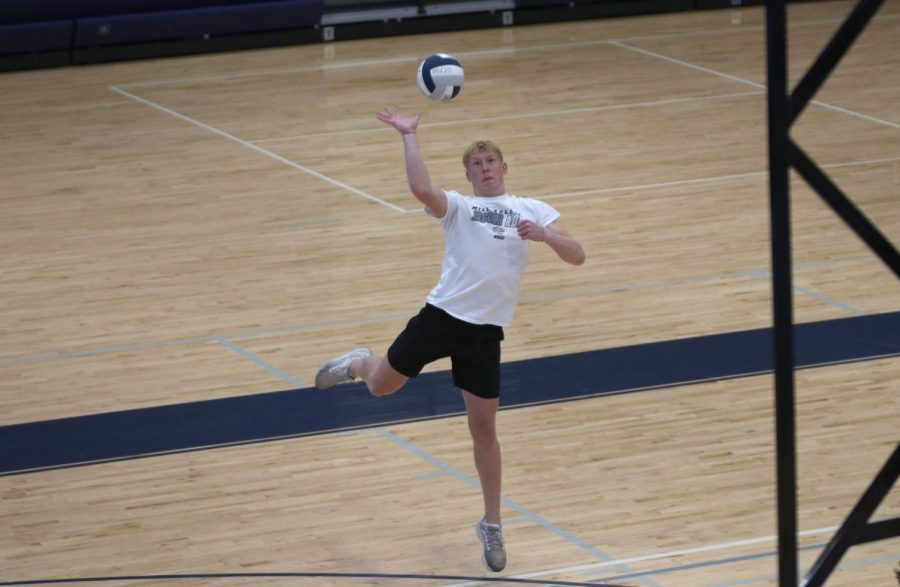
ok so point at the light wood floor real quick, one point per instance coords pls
(160, 216)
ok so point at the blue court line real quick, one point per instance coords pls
(295, 328)
(815, 295)
(445, 467)
(230, 421)
(768, 579)
(843, 566)
(262, 363)
(700, 565)
(143, 346)
(692, 280)
(429, 475)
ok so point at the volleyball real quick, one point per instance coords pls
(440, 77)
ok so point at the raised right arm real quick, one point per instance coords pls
(416, 172)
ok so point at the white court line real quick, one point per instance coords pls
(712, 179)
(264, 72)
(748, 82)
(363, 63)
(480, 53)
(656, 556)
(561, 195)
(650, 186)
(687, 64)
(256, 148)
(352, 64)
(857, 114)
(471, 121)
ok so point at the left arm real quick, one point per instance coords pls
(568, 249)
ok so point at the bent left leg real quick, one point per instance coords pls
(380, 377)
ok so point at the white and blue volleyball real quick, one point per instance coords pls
(440, 77)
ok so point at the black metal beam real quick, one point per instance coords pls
(880, 530)
(842, 40)
(779, 203)
(854, 527)
(844, 208)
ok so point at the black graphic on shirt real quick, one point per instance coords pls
(498, 218)
(504, 217)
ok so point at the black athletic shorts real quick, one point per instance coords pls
(433, 334)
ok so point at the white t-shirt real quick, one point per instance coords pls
(484, 256)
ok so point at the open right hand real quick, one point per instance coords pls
(404, 124)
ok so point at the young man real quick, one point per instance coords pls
(487, 241)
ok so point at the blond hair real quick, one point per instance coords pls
(480, 147)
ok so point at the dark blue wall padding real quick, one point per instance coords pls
(540, 3)
(36, 36)
(255, 418)
(110, 7)
(194, 23)
(12, 11)
(41, 25)
(614, 6)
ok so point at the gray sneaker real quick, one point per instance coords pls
(337, 370)
(494, 552)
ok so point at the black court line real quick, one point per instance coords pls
(304, 575)
(130, 434)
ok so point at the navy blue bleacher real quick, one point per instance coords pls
(27, 37)
(35, 27)
(100, 22)
(32, 25)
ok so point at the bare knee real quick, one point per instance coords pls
(384, 380)
(482, 418)
(483, 431)
(380, 389)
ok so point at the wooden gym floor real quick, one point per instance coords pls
(182, 232)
